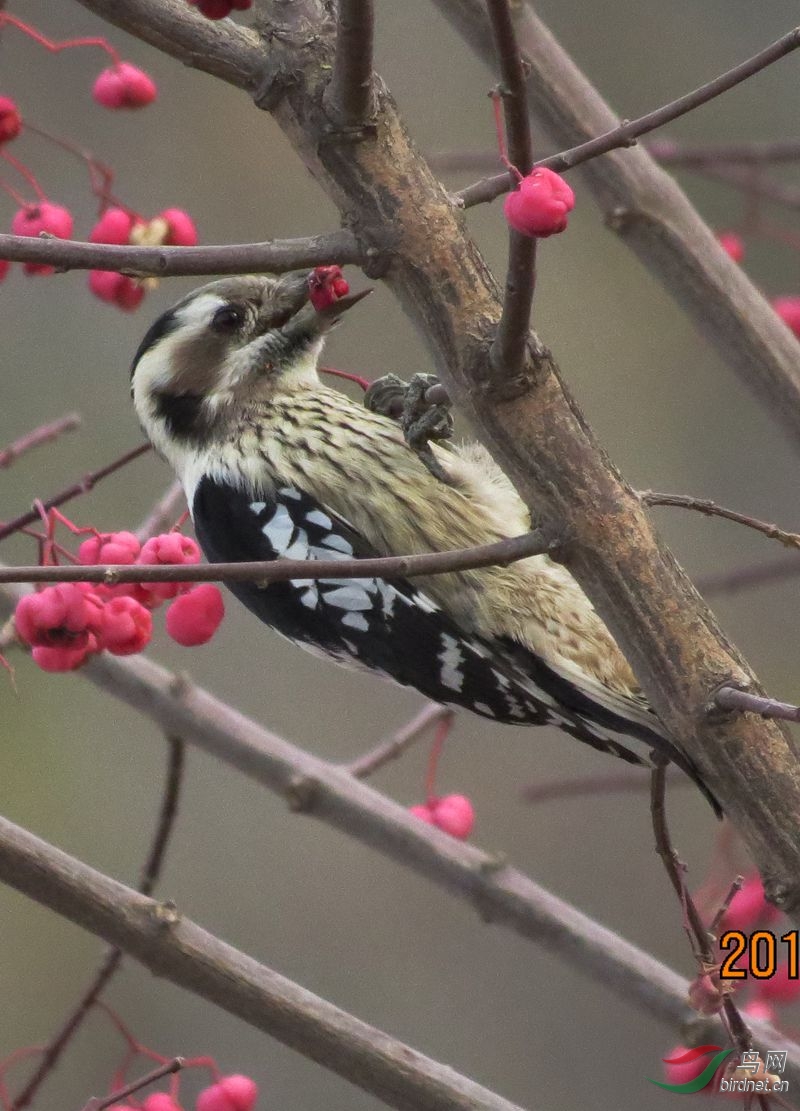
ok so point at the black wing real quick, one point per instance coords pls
(391, 627)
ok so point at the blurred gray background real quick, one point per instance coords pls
(86, 774)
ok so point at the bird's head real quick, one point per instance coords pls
(226, 342)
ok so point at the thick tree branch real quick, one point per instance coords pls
(348, 98)
(509, 350)
(271, 257)
(538, 434)
(173, 947)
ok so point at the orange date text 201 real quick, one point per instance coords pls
(758, 955)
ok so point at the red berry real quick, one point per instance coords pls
(160, 1101)
(540, 204)
(219, 9)
(114, 226)
(5, 266)
(109, 547)
(33, 219)
(760, 1010)
(58, 659)
(10, 120)
(325, 286)
(731, 244)
(116, 289)
(124, 86)
(194, 617)
(788, 309)
(423, 812)
(454, 814)
(128, 626)
(67, 615)
(168, 548)
(182, 232)
(232, 1093)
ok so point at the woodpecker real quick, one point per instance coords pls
(276, 465)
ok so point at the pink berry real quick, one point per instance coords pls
(788, 309)
(454, 814)
(160, 1101)
(182, 232)
(749, 907)
(219, 9)
(58, 659)
(10, 120)
(232, 1093)
(760, 1010)
(67, 615)
(705, 994)
(33, 219)
(168, 548)
(423, 812)
(731, 244)
(5, 266)
(116, 289)
(114, 226)
(124, 86)
(128, 626)
(325, 286)
(540, 204)
(194, 617)
(780, 988)
(109, 547)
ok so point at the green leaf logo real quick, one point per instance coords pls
(704, 1078)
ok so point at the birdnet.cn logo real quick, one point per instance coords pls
(702, 1068)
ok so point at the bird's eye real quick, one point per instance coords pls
(227, 318)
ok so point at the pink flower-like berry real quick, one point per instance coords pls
(749, 906)
(731, 244)
(66, 615)
(168, 548)
(160, 1101)
(779, 988)
(128, 626)
(194, 617)
(453, 814)
(540, 204)
(10, 120)
(219, 9)
(114, 226)
(231, 1093)
(109, 547)
(117, 289)
(124, 86)
(42, 217)
(58, 659)
(5, 266)
(182, 231)
(326, 285)
(788, 309)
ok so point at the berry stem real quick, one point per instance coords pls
(53, 46)
(23, 171)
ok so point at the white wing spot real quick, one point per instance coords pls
(424, 603)
(317, 517)
(278, 529)
(338, 543)
(482, 708)
(356, 621)
(299, 549)
(258, 506)
(349, 598)
(451, 658)
(290, 492)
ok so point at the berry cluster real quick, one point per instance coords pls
(229, 1093)
(540, 205)
(748, 911)
(326, 285)
(66, 623)
(173, 228)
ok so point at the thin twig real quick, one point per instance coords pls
(635, 782)
(348, 98)
(82, 486)
(699, 934)
(44, 434)
(281, 570)
(273, 257)
(711, 509)
(628, 131)
(744, 578)
(510, 345)
(395, 745)
(163, 513)
(756, 152)
(148, 878)
(729, 698)
(169, 1067)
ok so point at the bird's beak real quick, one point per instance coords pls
(332, 312)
